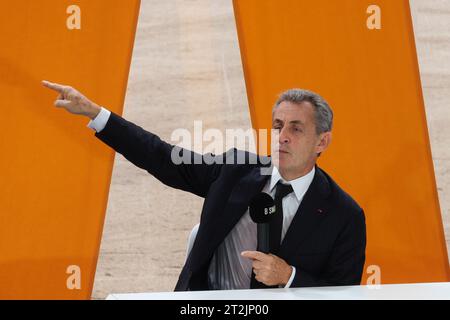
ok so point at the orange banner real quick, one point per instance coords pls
(361, 57)
(55, 176)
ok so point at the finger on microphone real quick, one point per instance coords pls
(244, 253)
(257, 264)
(254, 255)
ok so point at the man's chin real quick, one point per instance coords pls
(280, 164)
(279, 158)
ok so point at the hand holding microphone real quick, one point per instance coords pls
(268, 268)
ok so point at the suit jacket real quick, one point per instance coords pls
(325, 242)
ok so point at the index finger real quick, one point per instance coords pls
(255, 255)
(54, 86)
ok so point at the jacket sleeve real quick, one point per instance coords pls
(174, 166)
(346, 263)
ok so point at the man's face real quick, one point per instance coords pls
(295, 149)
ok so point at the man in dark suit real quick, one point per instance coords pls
(319, 238)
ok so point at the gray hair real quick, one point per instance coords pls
(323, 112)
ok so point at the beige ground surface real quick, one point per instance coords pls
(186, 66)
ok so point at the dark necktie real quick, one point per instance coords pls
(276, 226)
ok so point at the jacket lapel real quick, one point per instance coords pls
(310, 214)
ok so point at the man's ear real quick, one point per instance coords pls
(323, 142)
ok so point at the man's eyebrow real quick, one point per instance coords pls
(297, 122)
(277, 121)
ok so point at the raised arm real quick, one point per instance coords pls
(174, 166)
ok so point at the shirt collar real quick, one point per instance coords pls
(300, 185)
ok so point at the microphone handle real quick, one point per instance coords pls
(263, 237)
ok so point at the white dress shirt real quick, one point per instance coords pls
(228, 269)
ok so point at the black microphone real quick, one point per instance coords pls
(262, 210)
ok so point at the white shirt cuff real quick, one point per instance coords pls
(288, 285)
(99, 122)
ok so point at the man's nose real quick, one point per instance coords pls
(283, 137)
